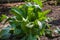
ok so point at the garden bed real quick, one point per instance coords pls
(55, 14)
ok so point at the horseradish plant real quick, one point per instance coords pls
(28, 23)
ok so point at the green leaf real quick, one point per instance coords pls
(3, 17)
(4, 33)
(46, 12)
(40, 24)
(31, 37)
(17, 12)
(30, 25)
(39, 2)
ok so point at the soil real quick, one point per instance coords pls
(54, 14)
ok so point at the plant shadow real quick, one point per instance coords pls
(55, 22)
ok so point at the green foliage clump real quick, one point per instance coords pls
(28, 23)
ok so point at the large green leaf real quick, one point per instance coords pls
(17, 12)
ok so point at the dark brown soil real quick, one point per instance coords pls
(54, 14)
